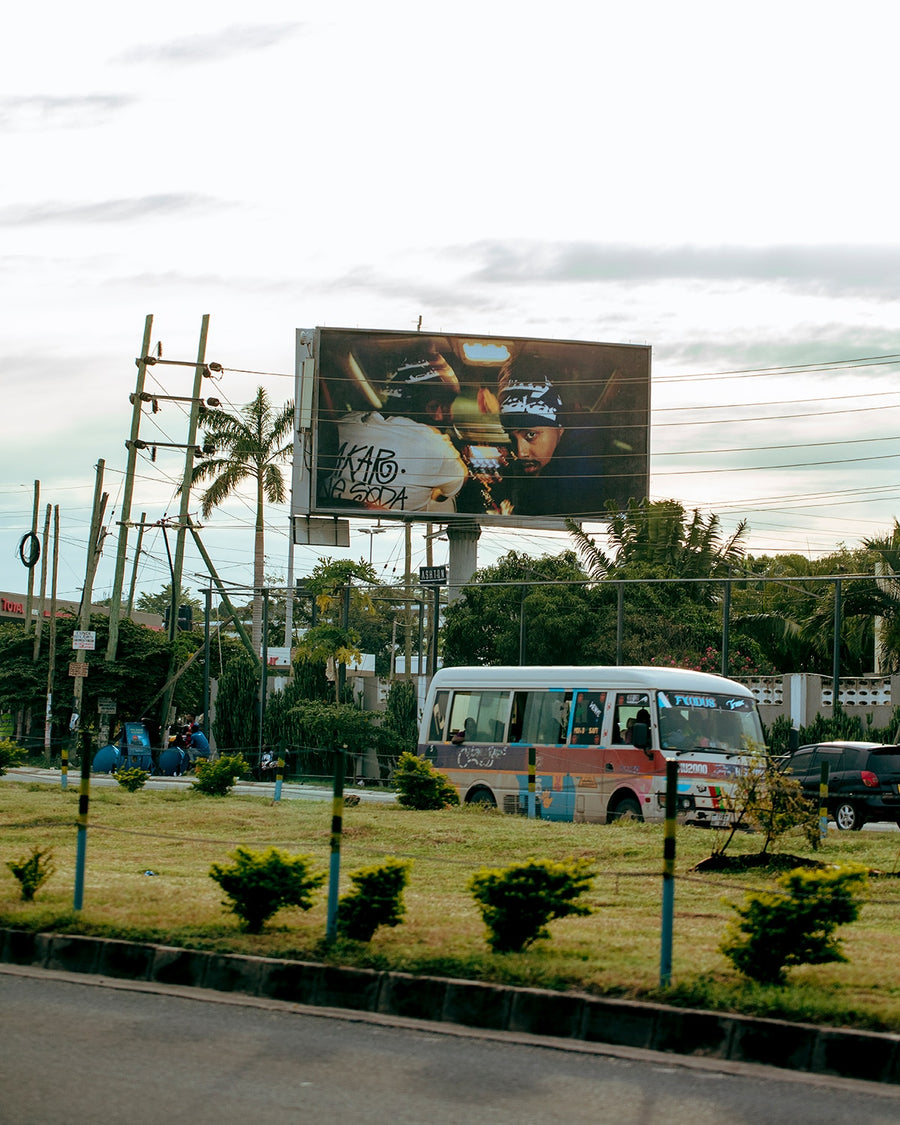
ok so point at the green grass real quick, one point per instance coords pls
(614, 951)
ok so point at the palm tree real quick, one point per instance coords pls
(252, 445)
(656, 536)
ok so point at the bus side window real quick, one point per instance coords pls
(587, 719)
(631, 707)
(438, 715)
(545, 715)
(479, 716)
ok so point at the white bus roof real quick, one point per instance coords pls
(587, 677)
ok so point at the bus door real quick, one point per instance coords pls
(629, 765)
(587, 755)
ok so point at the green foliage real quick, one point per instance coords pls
(11, 755)
(771, 802)
(236, 724)
(215, 779)
(376, 899)
(132, 779)
(517, 902)
(795, 926)
(261, 883)
(399, 731)
(483, 626)
(32, 871)
(828, 728)
(420, 786)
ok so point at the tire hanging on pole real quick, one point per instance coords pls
(29, 550)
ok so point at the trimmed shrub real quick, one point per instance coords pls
(517, 902)
(376, 900)
(132, 779)
(260, 883)
(215, 779)
(33, 871)
(796, 925)
(11, 754)
(420, 786)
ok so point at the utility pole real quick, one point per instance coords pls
(95, 543)
(127, 492)
(199, 370)
(43, 594)
(51, 658)
(34, 526)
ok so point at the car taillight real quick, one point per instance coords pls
(869, 779)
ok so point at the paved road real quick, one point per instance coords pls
(78, 1052)
(290, 791)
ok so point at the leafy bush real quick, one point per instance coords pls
(517, 903)
(420, 786)
(796, 925)
(132, 779)
(771, 802)
(375, 901)
(260, 883)
(10, 755)
(215, 779)
(33, 871)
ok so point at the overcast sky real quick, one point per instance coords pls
(717, 181)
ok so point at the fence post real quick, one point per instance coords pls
(532, 758)
(84, 794)
(823, 801)
(337, 827)
(668, 890)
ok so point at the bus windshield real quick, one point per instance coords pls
(726, 723)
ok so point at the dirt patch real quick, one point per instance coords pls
(776, 861)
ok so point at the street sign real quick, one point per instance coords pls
(78, 669)
(432, 576)
(106, 706)
(84, 638)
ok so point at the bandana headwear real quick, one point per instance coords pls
(415, 380)
(529, 404)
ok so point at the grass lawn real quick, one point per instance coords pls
(147, 878)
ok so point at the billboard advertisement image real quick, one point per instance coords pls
(500, 430)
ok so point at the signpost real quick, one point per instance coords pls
(78, 669)
(435, 577)
(85, 639)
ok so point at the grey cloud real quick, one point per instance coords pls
(38, 112)
(809, 345)
(837, 269)
(109, 210)
(235, 40)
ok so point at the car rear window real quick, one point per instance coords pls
(885, 761)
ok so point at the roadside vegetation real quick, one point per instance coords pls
(149, 856)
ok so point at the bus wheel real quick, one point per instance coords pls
(625, 809)
(482, 797)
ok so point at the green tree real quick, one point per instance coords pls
(656, 538)
(252, 446)
(506, 609)
(237, 712)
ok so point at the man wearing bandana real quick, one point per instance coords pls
(552, 473)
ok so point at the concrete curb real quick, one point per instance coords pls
(868, 1055)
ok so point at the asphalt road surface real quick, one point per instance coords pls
(78, 1051)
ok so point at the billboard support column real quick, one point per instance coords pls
(463, 555)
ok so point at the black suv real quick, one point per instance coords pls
(863, 780)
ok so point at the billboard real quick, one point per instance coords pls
(440, 427)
